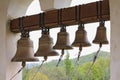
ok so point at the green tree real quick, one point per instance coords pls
(100, 70)
(39, 76)
(68, 66)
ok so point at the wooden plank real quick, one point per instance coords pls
(51, 18)
(69, 16)
(88, 13)
(14, 25)
(30, 22)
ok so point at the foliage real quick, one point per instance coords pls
(69, 71)
(68, 65)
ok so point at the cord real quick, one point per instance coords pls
(76, 63)
(79, 53)
(23, 65)
(16, 73)
(38, 69)
(60, 58)
(94, 60)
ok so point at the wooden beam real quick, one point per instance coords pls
(68, 16)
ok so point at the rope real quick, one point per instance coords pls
(75, 68)
(60, 58)
(17, 73)
(94, 60)
(79, 53)
(23, 65)
(76, 63)
(38, 69)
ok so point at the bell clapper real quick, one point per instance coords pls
(45, 58)
(94, 59)
(60, 57)
(23, 65)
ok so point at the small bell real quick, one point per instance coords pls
(45, 46)
(81, 39)
(100, 37)
(62, 42)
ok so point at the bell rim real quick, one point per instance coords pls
(102, 42)
(63, 47)
(37, 54)
(26, 60)
(78, 44)
(54, 53)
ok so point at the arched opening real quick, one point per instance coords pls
(90, 28)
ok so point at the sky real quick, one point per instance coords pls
(91, 28)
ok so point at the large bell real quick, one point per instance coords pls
(45, 46)
(100, 37)
(62, 40)
(24, 51)
(81, 37)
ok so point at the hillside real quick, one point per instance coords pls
(68, 71)
(83, 59)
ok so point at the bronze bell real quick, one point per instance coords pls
(100, 37)
(62, 40)
(24, 51)
(45, 46)
(81, 37)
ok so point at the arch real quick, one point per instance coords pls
(18, 8)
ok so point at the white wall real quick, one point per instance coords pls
(8, 40)
(54, 4)
(3, 17)
(115, 39)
